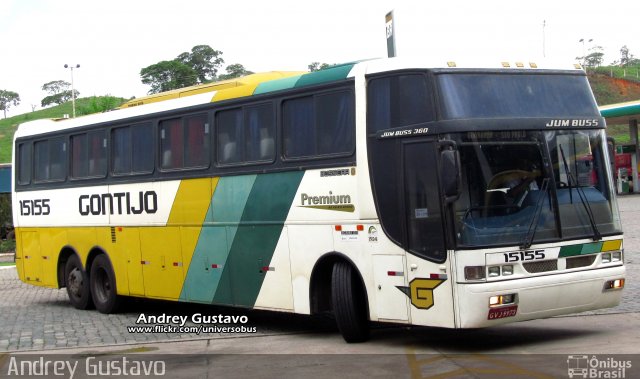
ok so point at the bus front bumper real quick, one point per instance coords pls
(536, 297)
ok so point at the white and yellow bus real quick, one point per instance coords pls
(386, 190)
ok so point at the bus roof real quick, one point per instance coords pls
(247, 80)
(253, 84)
(399, 63)
(262, 83)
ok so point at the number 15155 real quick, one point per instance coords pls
(37, 207)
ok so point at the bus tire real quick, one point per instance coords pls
(77, 283)
(103, 286)
(349, 303)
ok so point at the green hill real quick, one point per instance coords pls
(84, 106)
(612, 85)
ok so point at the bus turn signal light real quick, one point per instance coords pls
(507, 299)
(614, 284)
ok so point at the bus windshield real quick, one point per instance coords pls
(533, 185)
(515, 95)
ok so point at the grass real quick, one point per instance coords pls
(631, 73)
(620, 133)
(610, 86)
(7, 246)
(86, 105)
(7, 264)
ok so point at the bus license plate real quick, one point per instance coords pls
(496, 313)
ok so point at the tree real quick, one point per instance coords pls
(595, 58)
(204, 60)
(317, 66)
(7, 100)
(55, 86)
(626, 58)
(58, 91)
(187, 69)
(168, 75)
(5, 211)
(235, 70)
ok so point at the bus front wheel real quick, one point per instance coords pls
(349, 303)
(77, 283)
(103, 286)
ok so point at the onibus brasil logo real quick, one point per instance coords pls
(583, 366)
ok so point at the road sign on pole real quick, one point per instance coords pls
(391, 35)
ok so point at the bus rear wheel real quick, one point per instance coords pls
(103, 286)
(349, 303)
(77, 283)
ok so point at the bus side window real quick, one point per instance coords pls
(229, 136)
(142, 149)
(299, 128)
(246, 135)
(50, 160)
(57, 156)
(335, 123)
(121, 150)
(196, 140)
(97, 145)
(398, 101)
(132, 149)
(259, 133)
(321, 125)
(88, 155)
(184, 142)
(171, 143)
(79, 154)
(24, 163)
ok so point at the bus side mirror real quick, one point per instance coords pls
(450, 171)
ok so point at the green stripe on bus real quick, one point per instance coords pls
(587, 248)
(219, 229)
(591, 248)
(257, 236)
(569, 251)
(325, 76)
(276, 85)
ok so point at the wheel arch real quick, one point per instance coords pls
(68, 251)
(320, 282)
(93, 253)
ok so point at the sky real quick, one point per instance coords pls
(113, 40)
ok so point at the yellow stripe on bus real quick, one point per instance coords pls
(189, 210)
(192, 201)
(232, 93)
(611, 245)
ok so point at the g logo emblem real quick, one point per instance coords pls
(420, 291)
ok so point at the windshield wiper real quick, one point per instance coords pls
(583, 198)
(533, 226)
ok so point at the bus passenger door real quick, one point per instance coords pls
(429, 286)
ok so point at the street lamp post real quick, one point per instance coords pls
(544, 39)
(73, 91)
